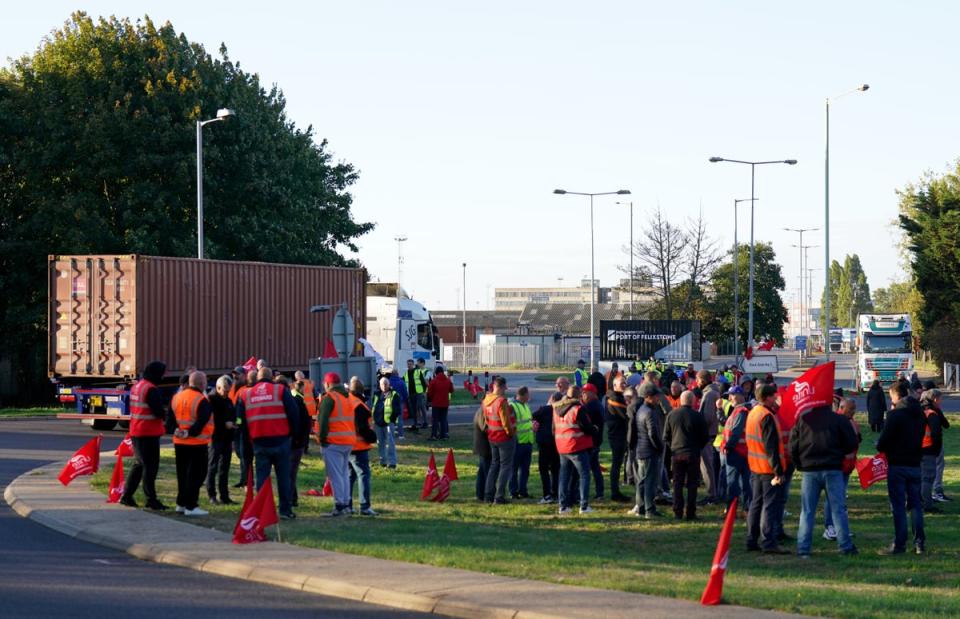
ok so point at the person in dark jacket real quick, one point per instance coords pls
(301, 439)
(876, 406)
(938, 494)
(599, 381)
(819, 443)
(359, 459)
(644, 439)
(221, 446)
(481, 448)
(932, 446)
(594, 409)
(616, 419)
(684, 438)
(902, 442)
(146, 449)
(548, 459)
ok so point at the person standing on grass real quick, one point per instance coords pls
(438, 395)
(300, 440)
(708, 408)
(644, 438)
(902, 442)
(337, 435)
(387, 405)
(147, 413)
(548, 459)
(573, 432)
(733, 450)
(190, 442)
(594, 410)
(876, 406)
(616, 421)
(400, 387)
(938, 494)
(766, 455)
(848, 409)
(930, 401)
(221, 446)
(525, 438)
(364, 439)
(502, 433)
(684, 438)
(481, 448)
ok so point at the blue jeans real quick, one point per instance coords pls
(277, 458)
(647, 481)
(783, 493)
(579, 461)
(386, 446)
(827, 515)
(521, 469)
(595, 470)
(812, 483)
(903, 488)
(483, 468)
(737, 473)
(360, 470)
(928, 476)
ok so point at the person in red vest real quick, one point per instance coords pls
(147, 412)
(363, 442)
(733, 450)
(338, 433)
(438, 396)
(270, 415)
(502, 434)
(190, 442)
(573, 432)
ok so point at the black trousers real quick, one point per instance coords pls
(219, 452)
(191, 471)
(244, 450)
(146, 450)
(686, 474)
(548, 463)
(618, 449)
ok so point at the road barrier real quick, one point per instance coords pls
(951, 376)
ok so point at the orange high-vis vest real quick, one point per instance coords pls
(741, 446)
(236, 392)
(309, 398)
(674, 402)
(496, 433)
(359, 444)
(756, 452)
(341, 429)
(568, 434)
(185, 404)
(265, 414)
(142, 420)
(927, 434)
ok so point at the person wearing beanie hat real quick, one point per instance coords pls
(147, 412)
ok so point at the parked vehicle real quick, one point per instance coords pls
(885, 348)
(400, 328)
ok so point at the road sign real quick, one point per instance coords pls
(801, 342)
(761, 364)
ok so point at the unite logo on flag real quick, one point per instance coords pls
(248, 524)
(82, 464)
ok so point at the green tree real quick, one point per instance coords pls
(900, 298)
(97, 155)
(849, 292)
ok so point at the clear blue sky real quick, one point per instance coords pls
(462, 119)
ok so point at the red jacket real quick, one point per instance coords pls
(439, 390)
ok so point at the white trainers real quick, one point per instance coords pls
(586, 510)
(635, 511)
(564, 511)
(181, 509)
(830, 533)
(196, 511)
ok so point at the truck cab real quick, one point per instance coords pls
(400, 328)
(885, 348)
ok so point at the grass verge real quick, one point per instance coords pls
(609, 549)
(28, 412)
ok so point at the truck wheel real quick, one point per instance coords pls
(103, 424)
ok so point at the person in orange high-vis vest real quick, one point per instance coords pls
(147, 412)
(766, 455)
(337, 434)
(194, 431)
(502, 434)
(309, 393)
(364, 440)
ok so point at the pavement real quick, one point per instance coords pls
(81, 513)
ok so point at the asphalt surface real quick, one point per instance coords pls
(47, 574)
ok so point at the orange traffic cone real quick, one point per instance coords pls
(713, 592)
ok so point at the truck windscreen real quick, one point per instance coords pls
(873, 343)
(425, 335)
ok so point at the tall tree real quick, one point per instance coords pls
(849, 292)
(97, 155)
(702, 258)
(660, 252)
(900, 298)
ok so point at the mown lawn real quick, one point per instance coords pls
(612, 550)
(29, 412)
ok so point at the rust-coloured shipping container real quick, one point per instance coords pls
(110, 315)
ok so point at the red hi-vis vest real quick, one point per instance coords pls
(496, 433)
(927, 435)
(568, 434)
(185, 405)
(741, 446)
(142, 420)
(358, 443)
(756, 452)
(265, 414)
(341, 429)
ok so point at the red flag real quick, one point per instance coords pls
(872, 469)
(431, 480)
(312, 492)
(713, 592)
(443, 490)
(248, 499)
(811, 389)
(116, 482)
(250, 364)
(748, 353)
(450, 467)
(125, 448)
(327, 488)
(254, 518)
(330, 351)
(86, 461)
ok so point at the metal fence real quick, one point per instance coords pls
(491, 356)
(951, 376)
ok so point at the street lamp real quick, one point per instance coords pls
(753, 165)
(222, 114)
(593, 282)
(826, 214)
(631, 256)
(801, 248)
(736, 277)
(463, 349)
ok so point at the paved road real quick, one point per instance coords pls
(47, 574)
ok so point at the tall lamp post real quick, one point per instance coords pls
(222, 114)
(593, 280)
(753, 167)
(825, 328)
(807, 300)
(801, 247)
(631, 256)
(463, 349)
(736, 277)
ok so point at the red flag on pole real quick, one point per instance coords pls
(872, 469)
(330, 351)
(443, 489)
(125, 448)
(431, 480)
(250, 364)
(713, 592)
(116, 482)
(811, 389)
(248, 499)
(450, 467)
(86, 461)
(261, 513)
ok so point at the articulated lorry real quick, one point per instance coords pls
(884, 348)
(399, 328)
